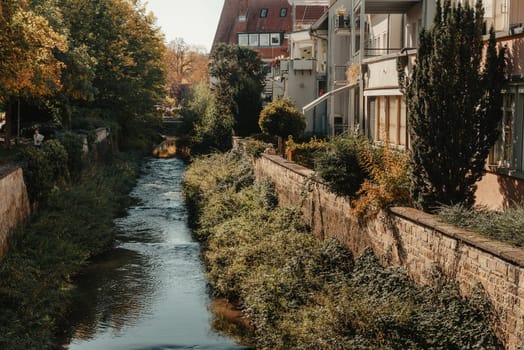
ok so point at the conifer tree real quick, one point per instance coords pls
(454, 105)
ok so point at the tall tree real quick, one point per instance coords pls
(454, 106)
(122, 55)
(185, 64)
(238, 82)
(28, 65)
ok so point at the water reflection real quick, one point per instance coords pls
(150, 291)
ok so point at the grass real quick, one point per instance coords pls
(506, 226)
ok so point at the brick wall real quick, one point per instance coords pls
(417, 241)
(14, 202)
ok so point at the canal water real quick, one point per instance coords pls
(150, 291)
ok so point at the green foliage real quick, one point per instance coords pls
(503, 225)
(340, 167)
(254, 148)
(208, 128)
(299, 293)
(305, 153)
(454, 106)
(218, 171)
(45, 168)
(73, 144)
(72, 226)
(239, 81)
(282, 118)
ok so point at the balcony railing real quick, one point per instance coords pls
(299, 64)
(377, 52)
(340, 74)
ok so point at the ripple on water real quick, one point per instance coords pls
(150, 292)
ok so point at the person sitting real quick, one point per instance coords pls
(38, 138)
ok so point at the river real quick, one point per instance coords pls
(150, 291)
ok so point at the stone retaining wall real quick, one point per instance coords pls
(14, 202)
(412, 239)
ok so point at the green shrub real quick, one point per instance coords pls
(305, 153)
(254, 148)
(215, 172)
(299, 293)
(73, 225)
(45, 168)
(73, 144)
(340, 166)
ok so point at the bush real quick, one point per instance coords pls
(388, 179)
(340, 166)
(254, 148)
(305, 153)
(73, 225)
(215, 172)
(73, 144)
(299, 293)
(45, 168)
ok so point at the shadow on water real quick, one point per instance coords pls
(150, 291)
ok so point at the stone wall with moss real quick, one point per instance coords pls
(417, 241)
(14, 202)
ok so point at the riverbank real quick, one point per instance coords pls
(74, 224)
(301, 293)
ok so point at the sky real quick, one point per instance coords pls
(195, 21)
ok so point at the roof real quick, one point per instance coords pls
(263, 16)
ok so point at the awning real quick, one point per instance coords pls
(383, 92)
(318, 100)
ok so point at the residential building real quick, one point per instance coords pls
(265, 26)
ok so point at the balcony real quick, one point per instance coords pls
(299, 64)
(370, 52)
(342, 25)
(340, 75)
(387, 6)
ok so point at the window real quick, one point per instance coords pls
(390, 120)
(283, 12)
(264, 39)
(243, 39)
(263, 13)
(259, 39)
(253, 39)
(502, 149)
(275, 39)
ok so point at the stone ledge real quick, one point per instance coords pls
(292, 166)
(503, 250)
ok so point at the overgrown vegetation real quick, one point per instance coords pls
(73, 224)
(305, 153)
(339, 167)
(299, 293)
(500, 225)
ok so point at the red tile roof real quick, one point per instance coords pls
(230, 24)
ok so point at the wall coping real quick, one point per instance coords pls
(504, 251)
